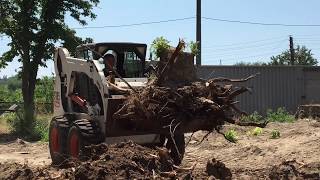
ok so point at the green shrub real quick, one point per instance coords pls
(14, 122)
(254, 117)
(194, 48)
(275, 134)
(159, 46)
(231, 136)
(256, 131)
(40, 128)
(281, 115)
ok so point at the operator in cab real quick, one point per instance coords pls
(110, 61)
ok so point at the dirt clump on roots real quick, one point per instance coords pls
(119, 161)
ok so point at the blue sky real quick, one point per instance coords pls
(228, 42)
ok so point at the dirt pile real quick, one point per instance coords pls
(218, 169)
(119, 161)
(295, 170)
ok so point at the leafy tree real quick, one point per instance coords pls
(33, 27)
(241, 63)
(14, 83)
(159, 46)
(44, 90)
(303, 56)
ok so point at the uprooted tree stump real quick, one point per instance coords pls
(173, 104)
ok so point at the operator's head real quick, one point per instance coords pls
(109, 59)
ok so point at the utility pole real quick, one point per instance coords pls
(198, 60)
(291, 50)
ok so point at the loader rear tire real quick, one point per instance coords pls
(57, 143)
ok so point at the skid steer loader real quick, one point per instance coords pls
(84, 101)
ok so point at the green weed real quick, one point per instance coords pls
(231, 136)
(42, 127)
(281, 115)
(256, 131)
(254, 117)
(38, 132)
(275, 134)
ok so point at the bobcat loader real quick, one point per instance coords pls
(84, 101)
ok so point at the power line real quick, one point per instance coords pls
(253, 46)
(260, 23)
(136, 24)
(249, 57)
(246, 42)
(232, 54)
(228, 56)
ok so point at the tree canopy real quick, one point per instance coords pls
(303, 56)
(34, 27)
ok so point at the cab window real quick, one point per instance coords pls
(132, 65)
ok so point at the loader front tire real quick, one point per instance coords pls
(75, 142)
(82, 133)
(57, 143)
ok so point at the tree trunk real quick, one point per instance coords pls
(28, 87)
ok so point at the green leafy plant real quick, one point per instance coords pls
(159, 46)
(256, 131)
(280, 115)
(39, 132)
(254, 117)
(231, 136)
(194, 48)
(275, 134)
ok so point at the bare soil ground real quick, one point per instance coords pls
(295, 155)
(254, 156)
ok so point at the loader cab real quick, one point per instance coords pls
(130, 57)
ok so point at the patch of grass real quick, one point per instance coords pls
(256, 131)
(4, 127)
(231, 136)
(13, 122)
(40, 128)
(275, 134)
(280, 115)
(254, 117)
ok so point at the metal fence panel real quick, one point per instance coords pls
(274, 87)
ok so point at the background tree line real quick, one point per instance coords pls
(302, 56)
(11, 91)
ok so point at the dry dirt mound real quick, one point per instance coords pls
(119, 161)
(295, 170)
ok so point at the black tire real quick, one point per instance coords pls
(75, 142)
(82, 133)
(57, 142)
(176, 148)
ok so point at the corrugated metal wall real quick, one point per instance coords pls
(274, 86)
